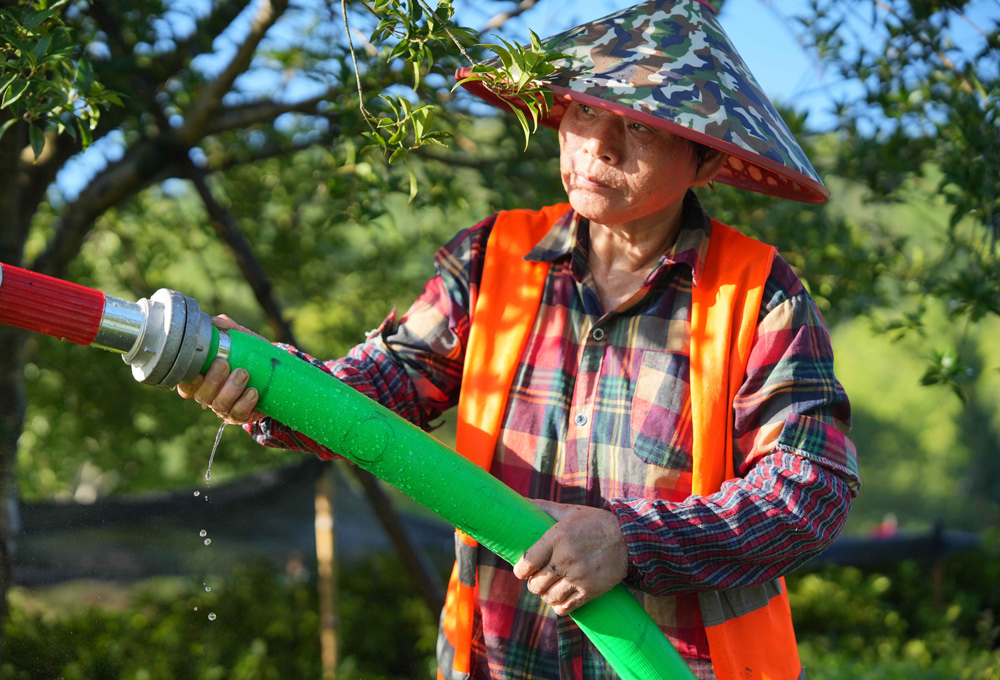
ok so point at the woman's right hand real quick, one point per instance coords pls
(222, 390)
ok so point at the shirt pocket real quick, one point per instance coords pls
(661, 411)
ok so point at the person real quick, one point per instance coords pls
(694, 454)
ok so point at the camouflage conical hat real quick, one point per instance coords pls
(668, 64)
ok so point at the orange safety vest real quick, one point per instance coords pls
(749, 629)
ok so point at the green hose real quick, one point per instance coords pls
(306, 399)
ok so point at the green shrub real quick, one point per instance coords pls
(934, 620)
(266, 628)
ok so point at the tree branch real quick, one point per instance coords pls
(245, 115)
(416, 562)
(498, 20)
(210, 99)
(222, 162)
(143, 164)
(231, 234)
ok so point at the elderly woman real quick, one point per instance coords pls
(665, 382)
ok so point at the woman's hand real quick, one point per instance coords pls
(223, 391)
(581, 557)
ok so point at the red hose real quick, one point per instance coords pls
(44, 304)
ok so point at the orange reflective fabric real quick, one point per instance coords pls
(458, 615)
(725, 305)
(759, 645)
(503, 311)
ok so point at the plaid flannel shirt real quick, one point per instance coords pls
(599, 415)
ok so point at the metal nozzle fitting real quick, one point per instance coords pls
(172, 340)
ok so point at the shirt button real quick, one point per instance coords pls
(598, 334)
(581, 419)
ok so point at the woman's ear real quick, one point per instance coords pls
(711, 163)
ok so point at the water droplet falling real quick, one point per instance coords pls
(196, 609)
(197, 493)
(215, 446)
(211, 616)
(208, 589)
(203, 533)
(208, 541)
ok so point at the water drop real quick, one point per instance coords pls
(211, 458)
(208, 541)
(196, 609)
(197, 493)
(211, 616)
(203, 533)
(208, 589)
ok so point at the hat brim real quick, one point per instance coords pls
(742, 169)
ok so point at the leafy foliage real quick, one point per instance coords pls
(935, 620)
(515, 77)
(45, 79)
(267, 626)
(923, 108)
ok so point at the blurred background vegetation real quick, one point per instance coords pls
(228, 162)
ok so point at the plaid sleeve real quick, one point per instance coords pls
(414, 367)
(784, 512)
(790, 400)
(797, 470)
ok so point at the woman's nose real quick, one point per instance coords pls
(604, 139)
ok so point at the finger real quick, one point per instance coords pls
(187, 390)
(231, 391)
(557, 511)
(223, 322)
(560, 593)
(542, 581)
(213, 380)
(535, 558)
(242, 411)
(573, 603)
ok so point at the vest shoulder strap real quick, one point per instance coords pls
(725, 305)
(503, 312)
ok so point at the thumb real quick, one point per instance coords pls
(557, 511)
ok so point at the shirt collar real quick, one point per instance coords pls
(570, 233)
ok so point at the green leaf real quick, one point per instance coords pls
(37, 137)
(37, 17)
(6, 126)
(14, 93)
(536, 44)
(43, 47)
(413, 181)
(84, 75)
(7, 81)
(85, 134)
(397, 155)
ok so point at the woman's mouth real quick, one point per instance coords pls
(590, 182)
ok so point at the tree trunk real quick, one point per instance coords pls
(326, 562)
(12, 405)
(12, 350)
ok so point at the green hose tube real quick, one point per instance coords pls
(314, 403)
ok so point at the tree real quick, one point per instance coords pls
(150, 85)
(921, 115)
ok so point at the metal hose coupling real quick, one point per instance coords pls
(165, 338)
